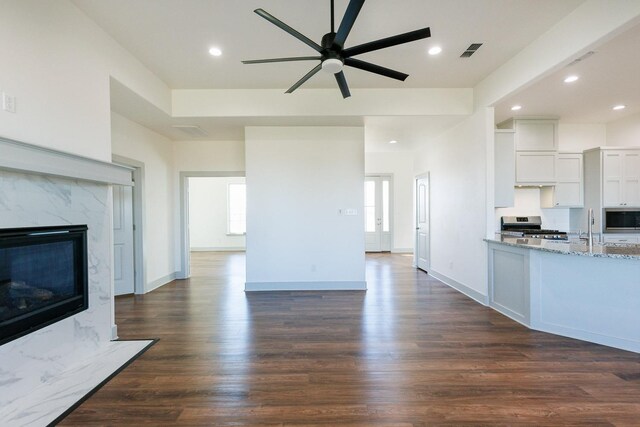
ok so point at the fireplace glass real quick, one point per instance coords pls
(43, 277)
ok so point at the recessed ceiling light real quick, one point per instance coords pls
(571, 79)
(393, 141)
(620, 107)
(516, 107)
(214, 51)
(435, 50)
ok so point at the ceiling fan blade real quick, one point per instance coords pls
(305, 78)
(342, 84)
(347, 22)
(275, 21)
(296, 58)
(387, 42)
(373, 68)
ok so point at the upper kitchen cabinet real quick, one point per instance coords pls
(568, 191)
(535, 167)
(505, 168)
(533, 134)
(612, 177)
(621, 178)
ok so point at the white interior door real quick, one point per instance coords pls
(123, 270)
(377, 213)
(422, 223)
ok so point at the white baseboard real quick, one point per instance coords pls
(471, 293)
(305, 286)
(218, 249)
(152, 286)
(402, 250)
(114, 332)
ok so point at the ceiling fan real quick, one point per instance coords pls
(332, 54)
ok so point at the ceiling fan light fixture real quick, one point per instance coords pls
(332, 65)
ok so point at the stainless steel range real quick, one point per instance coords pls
(528, 226)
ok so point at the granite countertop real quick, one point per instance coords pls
(572, 247)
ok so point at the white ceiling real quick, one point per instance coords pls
(609, 77)
(172, 37)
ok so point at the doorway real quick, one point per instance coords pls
(185, 236)
(128, 224)
(378, 221)
(123, 271)
(422, 253)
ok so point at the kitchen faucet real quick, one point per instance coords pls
(590, 223)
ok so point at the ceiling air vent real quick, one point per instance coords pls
(190, 130)
(473, 47)
(581, 58)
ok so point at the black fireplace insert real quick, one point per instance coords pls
(43, 277)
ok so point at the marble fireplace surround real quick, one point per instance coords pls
(44, 373)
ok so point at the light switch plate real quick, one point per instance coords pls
(8, 103)
(351, 212)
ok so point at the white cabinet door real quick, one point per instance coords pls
(631, 179)
(620, 238)
(569, 167)
(505, 169)
(568, 194)
(621, 179)
(536, 135)
(612, 180)
(569, 191)
(535, 167)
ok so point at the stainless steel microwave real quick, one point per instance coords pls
(622, 220)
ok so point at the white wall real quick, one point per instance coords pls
(400, 165)
(624, 132)
(577, 137)
(156, 152)
(298, 179)
(208, 208)
(57, 63)
(209, 156)
(457, 163)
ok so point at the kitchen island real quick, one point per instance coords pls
(564, 288)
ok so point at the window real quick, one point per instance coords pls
(237, 209)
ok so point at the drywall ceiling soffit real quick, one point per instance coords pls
(606, 78)
(409, 131)
(172, 38)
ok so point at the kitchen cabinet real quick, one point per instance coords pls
(533, 134)
(611, 180)
(568, 191)
(622, 238)
(535, 167)
(505, 168)
(621, 178)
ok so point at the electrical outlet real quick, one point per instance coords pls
(8, 103)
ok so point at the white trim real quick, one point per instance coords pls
(471, 293)
(305, 286)
(402, 250)
(389, 178)
(22, 157)
(185, 262)
(155, 284)
(114, 332)
(139, 264)
(219, 249)
(415, 216)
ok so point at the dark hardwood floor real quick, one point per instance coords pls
(408, 352)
